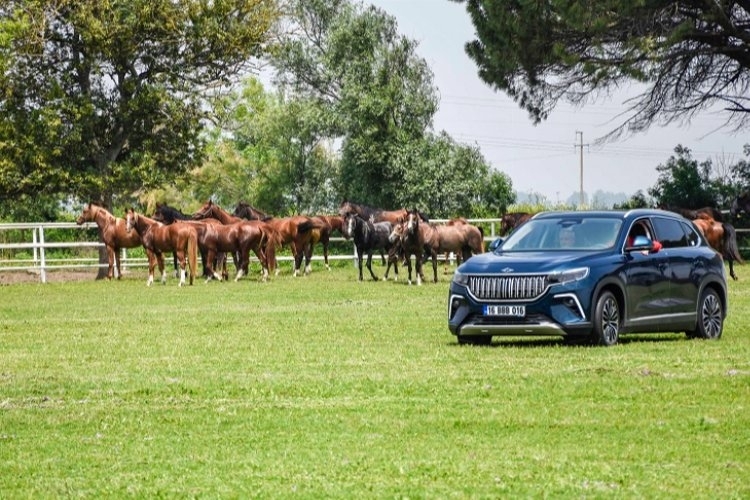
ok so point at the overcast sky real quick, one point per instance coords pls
(543, 158)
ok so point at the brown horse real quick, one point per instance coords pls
(410, 234)
(696, 213)
(112, 232)
(180, 238)
(169, 215)
(296, 232)
(512, 220)
(323, 236)
(723, 238)
(463, 239)
(239, 236)
(456, 221)
(249, 212)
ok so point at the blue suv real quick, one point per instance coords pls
(592, 276)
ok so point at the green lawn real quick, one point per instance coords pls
(325, 387)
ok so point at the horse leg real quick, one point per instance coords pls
(180, 255)
(162, 269)
(731, 269)
(325, 254)
(151, 265)
(113, 257)
(418, 265)
(308, 258)
(176, 264)
(369, 265)
(359, 262)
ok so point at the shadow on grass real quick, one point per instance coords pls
(543, 342)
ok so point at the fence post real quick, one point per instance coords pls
(43, 272)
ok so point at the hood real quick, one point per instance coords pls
(523, 262)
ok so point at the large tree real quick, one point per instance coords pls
(99, 97)
(689, 55)
(379, 92)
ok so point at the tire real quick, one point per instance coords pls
(606, 320)
(709, 316)
(474, 339)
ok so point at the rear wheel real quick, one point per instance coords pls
(606, 320)
(710, 316)
(474, 339)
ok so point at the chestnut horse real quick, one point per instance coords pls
(696, 213)
(211, 258)
(464, 239)
(512, 220)
(410, 234)
(112, 232)
(180, 238)
(723, 238)
(239, 236)
(323, 236)
(296, 232)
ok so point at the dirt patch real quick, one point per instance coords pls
(57, 276)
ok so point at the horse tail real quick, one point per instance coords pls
(731, 250)
(192, 249)
(309, 224)
(481, 241)
(272, 242)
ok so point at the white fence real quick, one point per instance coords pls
(30, 238)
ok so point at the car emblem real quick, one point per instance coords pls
(506, 270)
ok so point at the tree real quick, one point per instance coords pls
(378, 92)
(690, 55)
(683, 182)
(269, 150)
(102, 97)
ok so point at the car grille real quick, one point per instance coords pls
(517, 287)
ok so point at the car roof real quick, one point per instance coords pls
(623, 214)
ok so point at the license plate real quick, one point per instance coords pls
(503, 310)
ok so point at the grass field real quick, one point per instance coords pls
(324, 387)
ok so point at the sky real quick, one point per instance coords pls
(544, 159)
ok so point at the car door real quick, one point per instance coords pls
(647, 285)
(680, 244)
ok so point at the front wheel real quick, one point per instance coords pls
(606, 320)
(710, 316)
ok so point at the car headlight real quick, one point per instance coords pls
(460, 278)
(568, 275)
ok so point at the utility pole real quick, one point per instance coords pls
(579, 136)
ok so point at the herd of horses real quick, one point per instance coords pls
(214, 233)
(396, 235)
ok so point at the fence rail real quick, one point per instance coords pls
(31, 236)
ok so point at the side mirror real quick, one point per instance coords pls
(641, 243)
(494, 244)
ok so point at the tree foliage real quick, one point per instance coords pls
(375, 97)
(689, 55)
(379, 93)
(99, 97)
(683, 182)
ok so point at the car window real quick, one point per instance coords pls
(568, 233)
(693, 238)
(670, 232)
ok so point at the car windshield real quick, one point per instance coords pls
(564, 233)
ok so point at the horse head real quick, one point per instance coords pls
(205, 212)
(349, 226)
(131, 218)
